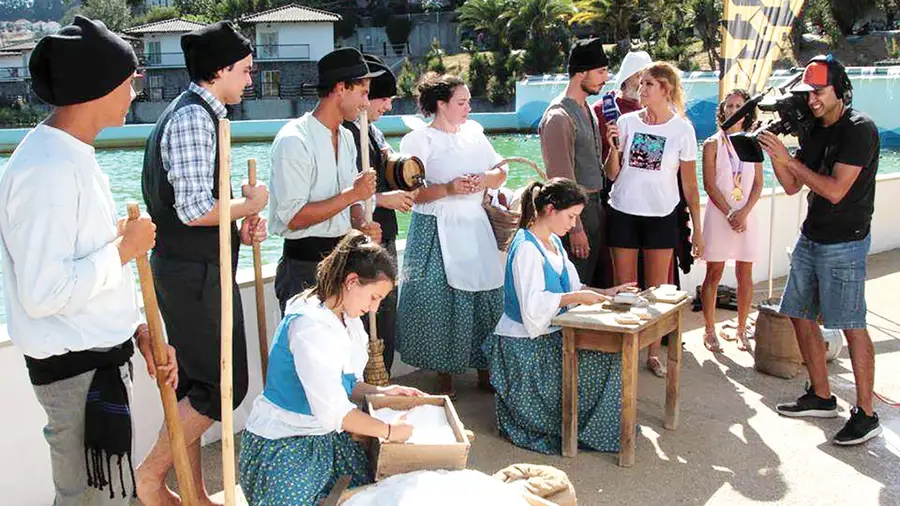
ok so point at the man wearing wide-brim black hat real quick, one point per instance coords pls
(70, 291)
(180, 187)
(388, 201)
(316, 188)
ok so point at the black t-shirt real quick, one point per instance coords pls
(852, 140)
(387, 218)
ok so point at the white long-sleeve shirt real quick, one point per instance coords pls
(537, 305)
(64, 285)
(323, 349)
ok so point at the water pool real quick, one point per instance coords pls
(124, 169)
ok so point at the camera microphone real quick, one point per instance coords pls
(743, 111)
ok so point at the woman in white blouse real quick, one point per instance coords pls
(525, 354)
(297, 443)
(451, 295)
(655, 145)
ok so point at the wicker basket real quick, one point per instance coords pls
(505, 222)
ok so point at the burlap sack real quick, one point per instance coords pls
(776, 351)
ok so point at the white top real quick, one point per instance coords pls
(538, 306)
(304, 170)
(471, 258)
(647, 184)
(324, 349)
(65, 287)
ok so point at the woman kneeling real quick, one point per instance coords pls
(297, 443)
(525, 353)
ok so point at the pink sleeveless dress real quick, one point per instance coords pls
(723, 243)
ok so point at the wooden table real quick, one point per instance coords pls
(595, 328)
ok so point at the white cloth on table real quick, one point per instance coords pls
(439, 488)
(647, 184)
(64, 284)
(537, 305)
(304, 170)
(468, 247)
(323, 349)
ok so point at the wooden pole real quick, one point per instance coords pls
(260, 292)
(161, 358)
(364, 154)
(225, 281)
(772, 234)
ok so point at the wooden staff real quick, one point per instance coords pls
(228, 473)
(375, 372)
(260, 293)
(160, 359)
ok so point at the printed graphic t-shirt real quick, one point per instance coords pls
(647, 185)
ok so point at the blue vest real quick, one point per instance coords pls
(553, 281)
(283, 386)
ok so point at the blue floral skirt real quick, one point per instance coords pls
(527, 375)
(298, 471)
(440, 328)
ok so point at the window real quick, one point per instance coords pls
(155, 87)
(154, 54)
(271, 83)
(268, 45)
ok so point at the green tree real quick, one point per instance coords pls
(114, 13)
(487, 17)
(617, 16)
(707, 18)
(543, 22)
(155, 14)
(847, 12)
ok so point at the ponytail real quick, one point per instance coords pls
(354, 254)
(562, 193)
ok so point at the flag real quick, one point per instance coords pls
(754, 33)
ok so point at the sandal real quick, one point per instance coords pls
(743, 340)
(656, 367)
(711, 342)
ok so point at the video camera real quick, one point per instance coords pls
(794, 118)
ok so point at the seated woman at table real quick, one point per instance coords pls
(525, 353)
(297, 443)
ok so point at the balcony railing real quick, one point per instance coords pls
(385, 49)
(148, 59)
(269, 52)
(13, 74)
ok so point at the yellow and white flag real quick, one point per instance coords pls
(753, 35)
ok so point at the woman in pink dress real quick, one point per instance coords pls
(729, 225)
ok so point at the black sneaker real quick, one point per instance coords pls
(809, 405)
(858, 429)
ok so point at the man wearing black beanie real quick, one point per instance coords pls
(382, 90)
(180, 179)
(571, 147)
(71, 296)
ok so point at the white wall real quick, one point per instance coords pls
(26, 479)
(291, 36)
(11, 68)
(170, 47)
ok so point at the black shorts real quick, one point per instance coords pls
(641, 232)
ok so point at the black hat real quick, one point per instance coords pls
(385, 85)
(82, 62)
(343, 64)
(212, 48)
(587, 54)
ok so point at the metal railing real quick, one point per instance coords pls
(152, 59)
(385, 49)
(13, 73)
(267, 52)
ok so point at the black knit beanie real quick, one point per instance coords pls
(212, 48)
(587, 54)
(82, 62)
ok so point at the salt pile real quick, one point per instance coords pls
(430, 425)
(439, 488)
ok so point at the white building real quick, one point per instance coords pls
(292, 32)
(160, 54)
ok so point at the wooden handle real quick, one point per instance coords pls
(161, 358)
(227, 323)
(364, 154)
(262, 332)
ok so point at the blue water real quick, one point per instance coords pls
(124, 169)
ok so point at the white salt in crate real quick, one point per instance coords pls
(389, 458)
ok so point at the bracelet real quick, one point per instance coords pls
(388, 438)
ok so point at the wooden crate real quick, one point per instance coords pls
(389, 459)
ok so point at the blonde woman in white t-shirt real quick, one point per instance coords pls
(654, 144)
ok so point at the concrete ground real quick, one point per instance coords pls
(731, 447)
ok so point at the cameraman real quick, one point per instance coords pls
(838, 162)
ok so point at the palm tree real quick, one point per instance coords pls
(707, 16)
(617, 15)
(487, 17)
(539, 18)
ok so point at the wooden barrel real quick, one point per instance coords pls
(404, 172)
